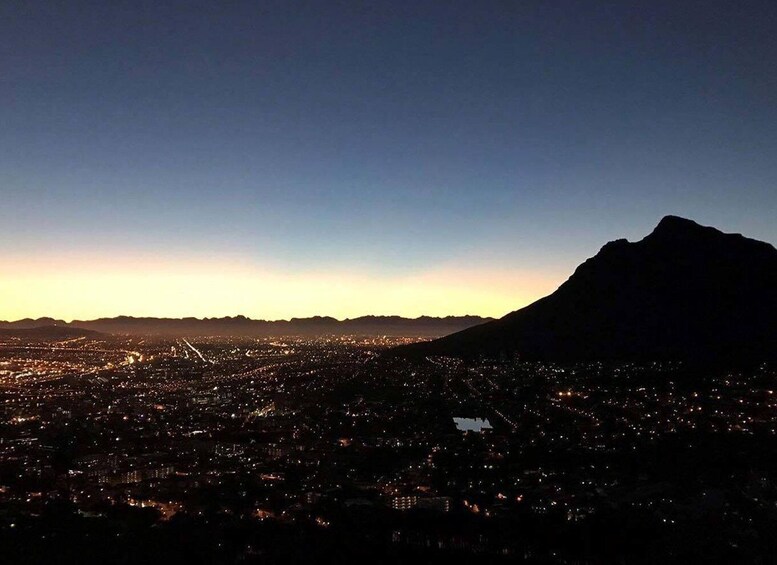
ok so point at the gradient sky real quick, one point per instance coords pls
(280, 159)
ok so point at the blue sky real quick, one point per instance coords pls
(381, 140)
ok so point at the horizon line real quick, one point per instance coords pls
(247, 318)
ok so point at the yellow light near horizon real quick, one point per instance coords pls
(85, 290)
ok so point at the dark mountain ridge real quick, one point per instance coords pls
(424, 326)
(683, 292)
(47, 332)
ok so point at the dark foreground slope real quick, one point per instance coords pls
(683, 292)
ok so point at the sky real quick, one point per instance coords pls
(282, 159)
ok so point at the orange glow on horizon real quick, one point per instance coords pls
(87, 288)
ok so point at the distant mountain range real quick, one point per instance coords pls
(684, 292)
(425, 326)
(46, 332)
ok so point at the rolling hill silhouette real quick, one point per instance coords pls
(426, 326)
(683, 292)
(48, 333)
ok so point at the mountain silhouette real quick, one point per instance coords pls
(684, 292)
(424, 326)
(48, 333)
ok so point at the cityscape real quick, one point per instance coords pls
(382, 282)
(258, 447)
